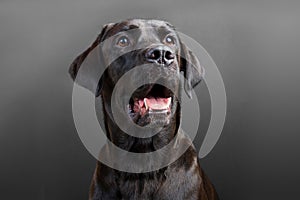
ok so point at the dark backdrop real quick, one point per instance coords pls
(254, 43)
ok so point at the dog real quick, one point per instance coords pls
(124, 46)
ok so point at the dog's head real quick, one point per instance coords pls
(129, 44)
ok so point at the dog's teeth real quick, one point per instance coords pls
(169, 101)
(145, 103)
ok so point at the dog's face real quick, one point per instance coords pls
(137, 42)
(154, 43)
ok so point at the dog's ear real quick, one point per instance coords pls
(90, 64)
(190, 65)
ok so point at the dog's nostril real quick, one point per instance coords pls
(169, 55)
(155, 55)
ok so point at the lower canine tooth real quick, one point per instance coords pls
(145, 103)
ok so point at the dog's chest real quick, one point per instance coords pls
(140, 186)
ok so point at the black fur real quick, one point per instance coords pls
(183, 179)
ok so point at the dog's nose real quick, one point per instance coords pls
(160, 55)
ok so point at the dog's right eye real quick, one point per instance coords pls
(123, 41)
(170, 40)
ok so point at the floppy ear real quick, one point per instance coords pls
(190, 65)
(90, 65)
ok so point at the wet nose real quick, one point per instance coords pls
(161, 55)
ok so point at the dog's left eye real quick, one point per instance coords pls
(170, 40)
(123, 41)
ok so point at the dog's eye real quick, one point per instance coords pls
(123, 41)
(170, 40)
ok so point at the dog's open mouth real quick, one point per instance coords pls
(150, 99)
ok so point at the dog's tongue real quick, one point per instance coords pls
(157, 103)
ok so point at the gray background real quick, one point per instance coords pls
(254, 43)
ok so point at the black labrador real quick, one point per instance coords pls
(122, 47)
